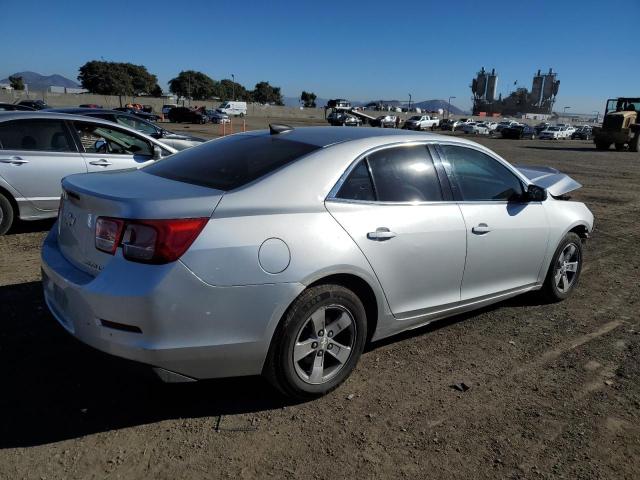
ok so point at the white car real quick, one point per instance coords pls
(476, 128)
(552, 133)
(233, 108)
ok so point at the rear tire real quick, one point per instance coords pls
(602, 145)
(318, 343)
(6, 214)
(634, 144)
(619, 147)
(564, 270)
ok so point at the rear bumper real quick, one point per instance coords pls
(179, 323)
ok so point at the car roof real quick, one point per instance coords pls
(82, 110)
(325, 136)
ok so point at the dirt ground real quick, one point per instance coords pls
(555, 389)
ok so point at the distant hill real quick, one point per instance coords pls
(35, 81)
(429, 105)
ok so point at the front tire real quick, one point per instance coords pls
(602, 145)
(318, 343)
(634, 144)
(6, 214)
(564, 270)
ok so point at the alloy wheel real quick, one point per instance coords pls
(567, 268)
(324, 343)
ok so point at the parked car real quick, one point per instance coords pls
(37, 149)
(12, 107)
(151, 117)
(552, 133)
(519, 132)
(184, 114)
(584, 132)
(384, 121)
(505, 124)
(338, 118)
(217, 117)
(447, 124)
(339, 104)
(35, 104)
(421, 122)
(167, 108)
(272, 253)
(233, 108)
(476, 128)
(541, 126)
(179, 141)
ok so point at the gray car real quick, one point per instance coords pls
(284, 252)
(179, 141)
(38, 149)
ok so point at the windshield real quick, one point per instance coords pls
(230, 162)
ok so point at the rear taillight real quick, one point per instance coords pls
(149, 241)
(108, 232)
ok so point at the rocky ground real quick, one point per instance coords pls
(554, 389)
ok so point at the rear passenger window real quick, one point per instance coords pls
(404, 174)
(358, 185)
(36, 135)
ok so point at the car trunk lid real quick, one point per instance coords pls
(130, 194)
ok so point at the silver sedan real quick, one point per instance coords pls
(284, 252)
(37, 149)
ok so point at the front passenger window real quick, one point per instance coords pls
(478, 177)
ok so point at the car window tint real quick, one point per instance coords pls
(230, 162)
(476, 176)
(358, 185)
(139, 125)
(404, 174)
(36, 135)
(101, 139)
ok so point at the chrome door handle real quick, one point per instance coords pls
(14, 160)
(481, 228)
(101, 163)
(381, 233)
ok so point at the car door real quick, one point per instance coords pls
(110, 148)
(506, 235)
(391, 205)
(35, 154)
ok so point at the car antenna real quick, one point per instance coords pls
(276, 128)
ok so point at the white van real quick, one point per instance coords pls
(233, 108)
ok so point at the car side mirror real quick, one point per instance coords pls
(157, 152)
(536, 194)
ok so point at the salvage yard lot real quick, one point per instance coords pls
(555, 389)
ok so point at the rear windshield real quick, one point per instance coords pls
(230, 162)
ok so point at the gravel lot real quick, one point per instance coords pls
(555, 389)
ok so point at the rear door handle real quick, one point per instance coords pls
(381, 233)
(101, 163)
(14, 160)
(481, 228)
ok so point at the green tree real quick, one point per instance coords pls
(308, 99)
(192, 84)
(156, 91)
(230, 90)
(16, 82)
(265, 93)
(116, 78)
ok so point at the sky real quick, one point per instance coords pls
(358, 50)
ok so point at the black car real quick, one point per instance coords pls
(519, 132)
(151, 117)
(184, 114)
(11, 107)
(541, 126)
(35, 104)
(582, 133)
(179, 141)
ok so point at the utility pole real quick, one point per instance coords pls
(233, 86)
(189, 88)
(449, 107)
